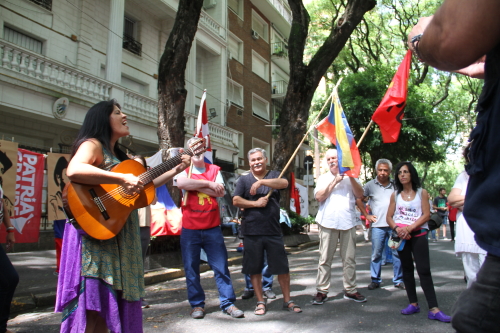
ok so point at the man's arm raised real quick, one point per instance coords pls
(459, 33)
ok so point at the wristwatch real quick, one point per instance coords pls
(414, 43)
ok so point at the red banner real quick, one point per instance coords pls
(28, 202)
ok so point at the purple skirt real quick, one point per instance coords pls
(77, 294)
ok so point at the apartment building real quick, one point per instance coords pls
(59, 57)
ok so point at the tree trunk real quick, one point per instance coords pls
(171, 78)
(304, 79)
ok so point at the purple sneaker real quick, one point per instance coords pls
(411, 309)
(439, 316)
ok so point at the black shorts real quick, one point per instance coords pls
(253, 255)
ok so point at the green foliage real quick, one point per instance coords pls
(439, 175)
(298, 224)
(360, 94)
(440, 106)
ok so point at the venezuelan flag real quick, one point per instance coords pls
(336, 129)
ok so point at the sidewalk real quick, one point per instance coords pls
(38, 281)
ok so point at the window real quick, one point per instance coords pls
(235, 93)
(256, 143)
(260, 107)
(134, 85)
(18, 38)
(236, 6)
(260, 66)
(235, 48)
(260, 26)
(130, 42)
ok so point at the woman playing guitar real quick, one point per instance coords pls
(101, 281)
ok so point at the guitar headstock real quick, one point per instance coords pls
(197, 147)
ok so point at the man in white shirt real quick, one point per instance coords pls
(337, 197)
(379, 191)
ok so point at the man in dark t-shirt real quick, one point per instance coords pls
(261, 228)
(440, 206)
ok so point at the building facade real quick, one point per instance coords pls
(59, 57)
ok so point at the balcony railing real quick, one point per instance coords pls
(47, 4)
(37, 66)
(279, 87)
(28, 65)
(218, 133)
(282, 7)
(212, 25)
(279, 49)
(130, 44)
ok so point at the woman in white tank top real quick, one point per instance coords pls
(408, 214)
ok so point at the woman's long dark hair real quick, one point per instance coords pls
(415, 180)
(96, 125)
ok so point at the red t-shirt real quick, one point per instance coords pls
(201, 210)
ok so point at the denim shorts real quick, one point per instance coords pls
(253, 255)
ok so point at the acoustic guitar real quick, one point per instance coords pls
(102, 210)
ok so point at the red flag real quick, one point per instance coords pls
(294, 194)
(390, 112)
(202, 127)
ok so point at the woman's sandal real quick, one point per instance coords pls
(258, 309)
(286, 306)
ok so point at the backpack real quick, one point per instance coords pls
(435, 221)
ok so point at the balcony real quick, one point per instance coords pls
(278, 12)
(279, 49)
(221, 136)
(212, 27)
(33, 70)
(279, 89)
(130, 44)
(283, 9)
(47, 4)
(279, 55)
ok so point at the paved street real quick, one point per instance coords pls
(169, 311)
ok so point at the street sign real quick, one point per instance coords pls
(308, 180)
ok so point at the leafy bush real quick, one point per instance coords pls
(298, 224)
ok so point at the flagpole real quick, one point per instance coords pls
(364, 133)
(305, 135)
(199, 122)
(184, 198)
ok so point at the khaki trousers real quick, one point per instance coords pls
(328, 239)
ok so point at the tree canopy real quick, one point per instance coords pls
(440, 106)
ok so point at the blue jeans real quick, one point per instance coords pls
(212, 241)
(267, 278)
(433, 234)
(232, 225)
(380, 236)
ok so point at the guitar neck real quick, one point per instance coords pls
(160, 169)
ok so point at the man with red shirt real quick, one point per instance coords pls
(201, 230)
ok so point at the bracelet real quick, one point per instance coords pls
(10, 231)
(10, 228)
(414, 42)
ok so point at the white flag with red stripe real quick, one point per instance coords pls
(202, 127)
